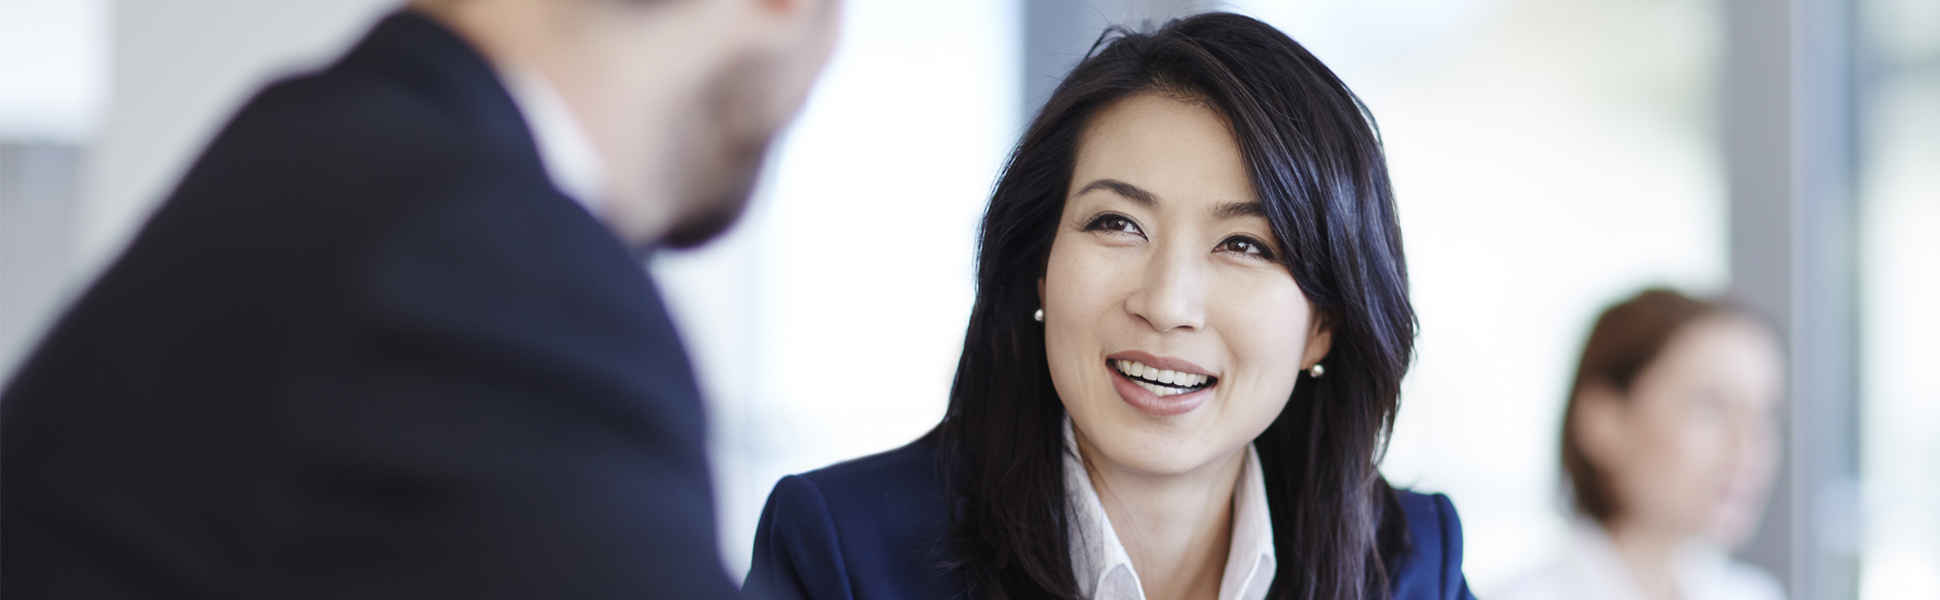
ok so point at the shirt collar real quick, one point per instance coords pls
(571, 160)
(1103, 568)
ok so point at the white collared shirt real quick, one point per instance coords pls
(1104, 569)
(1591, 569)
(571, 160)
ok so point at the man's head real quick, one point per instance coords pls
(681, 97)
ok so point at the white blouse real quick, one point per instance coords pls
(1104, 570)
(1591, 569)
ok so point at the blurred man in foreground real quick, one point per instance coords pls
(389, 337)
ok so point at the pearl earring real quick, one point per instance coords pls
(1039, 315)
(1316, 371)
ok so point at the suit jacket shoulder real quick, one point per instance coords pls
(877, 527)
(1432, 568)
(873, 527)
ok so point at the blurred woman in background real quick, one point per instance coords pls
(1187, 344)
(1668, 444)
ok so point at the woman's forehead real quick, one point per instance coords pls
(1177, 151)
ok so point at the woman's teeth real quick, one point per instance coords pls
(1159, 381)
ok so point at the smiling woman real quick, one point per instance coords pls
(1160, 270)
(1185, 352)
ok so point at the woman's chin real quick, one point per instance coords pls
(1139, 445)
(1150, 461)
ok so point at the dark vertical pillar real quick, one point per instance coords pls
(1788, 127)
(1757, 118)
(1058, 33)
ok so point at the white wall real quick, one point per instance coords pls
(53, 68)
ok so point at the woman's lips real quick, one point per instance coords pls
(1153, 404)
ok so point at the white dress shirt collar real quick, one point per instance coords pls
(571, 160)
(1104, 569)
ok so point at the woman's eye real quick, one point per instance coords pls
(1113, 223)
(1245, 245)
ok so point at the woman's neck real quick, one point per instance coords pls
(1650, 553)
(1177, 529)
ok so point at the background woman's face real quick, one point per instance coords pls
(1174, 333)
(1694, 449)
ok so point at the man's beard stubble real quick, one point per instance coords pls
(728, 138)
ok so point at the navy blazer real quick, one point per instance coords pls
(364, 350)
(874, 528)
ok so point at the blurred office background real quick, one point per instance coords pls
(1550, 157)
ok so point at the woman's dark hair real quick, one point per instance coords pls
(1315, 161)
(1627, 337)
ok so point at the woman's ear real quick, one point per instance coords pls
(1320, 340)
(1040, 291)
(1599, 424)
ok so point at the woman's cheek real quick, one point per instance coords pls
(1264, 326)
(1077, 298)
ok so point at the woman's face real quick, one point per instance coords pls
(1174, 332)
(1690, 450)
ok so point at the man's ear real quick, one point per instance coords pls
(1320, 340)
(1599, 423)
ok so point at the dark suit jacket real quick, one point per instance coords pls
(365, 350)
(873, 528)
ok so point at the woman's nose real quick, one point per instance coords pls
(1171, 294)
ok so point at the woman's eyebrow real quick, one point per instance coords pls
(1239, 210)
(1226, 211)
(1126, 190)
